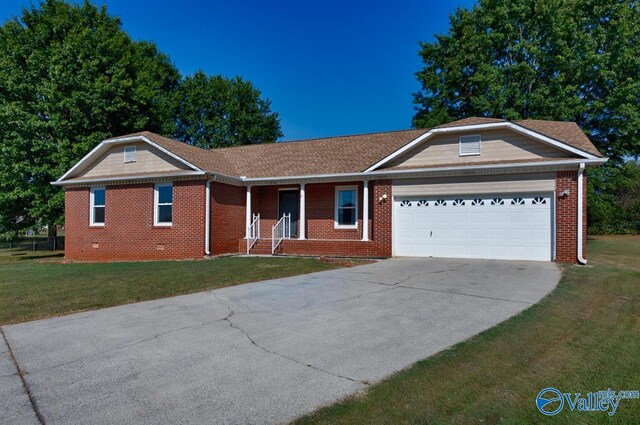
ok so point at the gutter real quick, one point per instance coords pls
(126, 178)
(207, 217)
(581, 259)
(391, 173)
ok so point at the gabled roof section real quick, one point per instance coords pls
(562, 135)
(105, 145)
(566, 132)
(354, 154)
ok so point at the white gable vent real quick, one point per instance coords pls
(469, 145)
(129, 154)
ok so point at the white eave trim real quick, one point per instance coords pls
(391, 173)
(130, 177)
(515, 127)
(121, 140)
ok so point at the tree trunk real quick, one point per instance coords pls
(52, 235)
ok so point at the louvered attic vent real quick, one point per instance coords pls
(469, 145)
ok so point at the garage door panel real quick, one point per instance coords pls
(480, 226)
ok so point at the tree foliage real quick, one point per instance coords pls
(69, 77)
(217, 112)
(573, 60)
(614, 199)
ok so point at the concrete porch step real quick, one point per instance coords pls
(262, 246)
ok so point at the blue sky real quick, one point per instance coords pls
(329, 68)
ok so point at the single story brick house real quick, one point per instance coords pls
(473, 188)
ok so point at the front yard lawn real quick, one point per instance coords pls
(32, 286)
(583, 337)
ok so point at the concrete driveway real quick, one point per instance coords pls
(265, 352)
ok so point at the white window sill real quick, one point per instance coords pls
(163, 225)
(470, 154)
(99, 225)
(345, 226)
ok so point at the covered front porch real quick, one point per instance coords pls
(337, 218)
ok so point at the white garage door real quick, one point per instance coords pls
(515, 227)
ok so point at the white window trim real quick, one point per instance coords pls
(156, 204)
(128, 149)
(336, 225)
(92, 205)
(473, 153)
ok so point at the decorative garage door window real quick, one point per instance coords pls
(423, 203)
(517, 201)
(405, 203)
(440, 203)
(477, 201)
(539, 200)
(458, 202)
(497, 201)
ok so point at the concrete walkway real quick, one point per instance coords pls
(264, 352)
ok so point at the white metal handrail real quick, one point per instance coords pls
(254, 232)
(282, 230)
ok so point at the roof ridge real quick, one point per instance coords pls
(316, 139)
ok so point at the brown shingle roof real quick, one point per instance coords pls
(470, 121)
(336, 155)
(331, 155)
(562, 131)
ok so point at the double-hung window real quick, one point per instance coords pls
(163, 204)
(96, 214)
(346, 207)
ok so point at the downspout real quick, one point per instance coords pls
(207, 217)
(581, 259)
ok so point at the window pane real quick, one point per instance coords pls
(164, 214)
(346, 198)
(98, 197)
(346, 216)
(165, 194)
(98, 214)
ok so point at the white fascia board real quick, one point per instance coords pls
(488, 126)
(384, 173)
(550, 141)
(400, 151)
(131, 177)
(105, 144)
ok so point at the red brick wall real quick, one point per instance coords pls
(227, 218)
(322, 237)
(129, 233)
(567, 217)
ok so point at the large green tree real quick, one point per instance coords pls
(216, 112)
(614, 199)
(576, 60)
(69, 77)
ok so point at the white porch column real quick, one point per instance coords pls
(303, 217)
(248, 215)
(365, 211)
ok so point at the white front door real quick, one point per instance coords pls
(514, 227)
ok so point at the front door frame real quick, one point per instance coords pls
(294, 233)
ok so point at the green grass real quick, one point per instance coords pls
(36, 285)
(584, 336)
